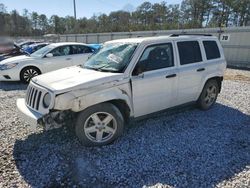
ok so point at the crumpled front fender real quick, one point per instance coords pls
(114, 93)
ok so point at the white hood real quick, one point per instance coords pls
(16, 59)
(75, 77)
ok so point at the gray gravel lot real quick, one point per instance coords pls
(181, 148)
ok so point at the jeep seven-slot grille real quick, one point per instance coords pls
(33, 97)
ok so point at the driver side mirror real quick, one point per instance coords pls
(139, 69)
(49, 55)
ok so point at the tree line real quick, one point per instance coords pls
(147, 16)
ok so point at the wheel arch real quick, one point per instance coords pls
(218, 79)
(115, 96)
(122, 106)
(29, 66)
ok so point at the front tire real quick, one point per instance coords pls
(208, 95)
(28, 73)
(99, 125)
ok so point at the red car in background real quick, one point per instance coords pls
(10, 51)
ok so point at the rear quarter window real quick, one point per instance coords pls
(211, 49)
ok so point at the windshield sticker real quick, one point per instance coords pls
(114, 58)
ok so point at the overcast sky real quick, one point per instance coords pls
(85, 8)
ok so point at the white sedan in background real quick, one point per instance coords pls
(49, 58)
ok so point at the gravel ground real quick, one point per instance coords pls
(181, 148)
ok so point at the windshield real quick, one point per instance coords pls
(113, 57)
(41, 52)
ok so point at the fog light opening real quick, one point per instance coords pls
(6, 77)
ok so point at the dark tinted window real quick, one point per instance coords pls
(211, 49)
(157, 57)
(189, 52)
(61, 51)
(79, 49)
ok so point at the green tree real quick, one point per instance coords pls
(120, 21)
(147, 16)
(145, 13)
(159, 15)
(195, 12)
(241, 11)
(222, 13)
(57, 24)
(43, 23)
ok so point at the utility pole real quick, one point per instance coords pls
(75, 25)
(74, 1)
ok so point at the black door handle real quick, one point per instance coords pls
(201, 69)
(171, 76)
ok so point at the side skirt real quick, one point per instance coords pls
(168, 111)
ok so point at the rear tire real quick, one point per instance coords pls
(99, 125)
(28, 73)
(208, 95)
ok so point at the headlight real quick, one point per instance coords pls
(46, 100)
(8, 66)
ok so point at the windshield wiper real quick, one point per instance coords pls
(91, 68)
(109, 70)
(95, 68)
(99, 68)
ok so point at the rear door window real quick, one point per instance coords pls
(80, 49)
(189, 52)
(211, 49)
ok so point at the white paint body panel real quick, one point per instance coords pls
(74, 78)
(75, 88)
(43, 63)
(153, 92)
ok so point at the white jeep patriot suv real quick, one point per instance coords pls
(126, 78)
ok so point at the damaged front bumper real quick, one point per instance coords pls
(49, 121)
(27, 114)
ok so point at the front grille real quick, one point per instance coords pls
(33, 97)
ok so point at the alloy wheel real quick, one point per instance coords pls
(29, 74)
(100, 127)
(210, 96)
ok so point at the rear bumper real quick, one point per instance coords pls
(27, 114)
